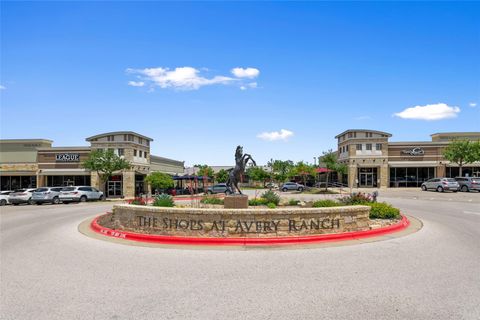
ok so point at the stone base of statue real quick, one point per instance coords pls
(236, 201)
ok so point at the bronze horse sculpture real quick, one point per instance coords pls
(235, 174)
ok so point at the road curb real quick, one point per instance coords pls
(273, 241)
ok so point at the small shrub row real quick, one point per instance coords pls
(271, 197)
(356, 198)
(293, 202)
(139, 202)
(163, 200)
(257, 202)
(325, 203)
(382, 210)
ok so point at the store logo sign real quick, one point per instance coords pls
(414, 151)
(67, 157)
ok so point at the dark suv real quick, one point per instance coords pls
(468, 183)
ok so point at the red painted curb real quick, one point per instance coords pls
(402, 224)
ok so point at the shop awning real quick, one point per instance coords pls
(322, 170)
(64, 172)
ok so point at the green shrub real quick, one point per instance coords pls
(163, 200)
(382, 210)
(293, 202)
(211, 200)
(325, 203)
(356, 198)
(257, 202)
(271, 205)
(271, 197)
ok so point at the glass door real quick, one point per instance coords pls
(114, 189)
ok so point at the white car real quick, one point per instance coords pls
(80, 194)
(4, 197)
(21, 196)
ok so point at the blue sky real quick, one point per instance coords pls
(71, 70)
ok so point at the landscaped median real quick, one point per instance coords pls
(260, 225)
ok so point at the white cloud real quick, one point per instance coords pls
(472, 104)
(2, 87)
(275, 135)
(136, 83)
(251, 85)
(429, 112)
(245, 72)
(182, 78)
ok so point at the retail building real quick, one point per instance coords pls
(31, 163)
(374, 161)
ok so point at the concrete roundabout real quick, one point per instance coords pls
(93, 228)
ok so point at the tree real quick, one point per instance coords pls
(221, 176)
(302, 169)
(159, 180)
(330, 160)
(462, 152)
(205, 171)
(105, 163)
(258, 174)
(281, 169)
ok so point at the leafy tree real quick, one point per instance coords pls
(159, 180)
(105, 163)
(462, 152)
(281, 169)
(205, 171)
(221, 176)
(330, 160)
(302, 169)
(258, 174)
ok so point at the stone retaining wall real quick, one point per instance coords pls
(252, 223)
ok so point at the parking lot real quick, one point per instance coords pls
(51, 271)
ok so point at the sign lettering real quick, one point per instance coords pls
(67, 157)
(416, 151)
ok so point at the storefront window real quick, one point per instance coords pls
(410, 177)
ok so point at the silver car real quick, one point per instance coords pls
(441, 184)
(468, 183)
(218, 188)
(4, 197)
(80, 194)
(21, 196)
(292, 186)
(46, 194)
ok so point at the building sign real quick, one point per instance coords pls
(67, 157)
(414, 151)
(237, 226)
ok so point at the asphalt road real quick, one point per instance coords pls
(51, 271)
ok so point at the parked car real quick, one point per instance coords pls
(4, 197)
(441, 184)
(218, 188)
(468, 183)
(46, 194)
(292, 186)
(271, 185)
(80, 194)
(21, 196)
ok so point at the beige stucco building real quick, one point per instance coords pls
(30, 163)
(374, 161)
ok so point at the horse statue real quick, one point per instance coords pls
(234, 175)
